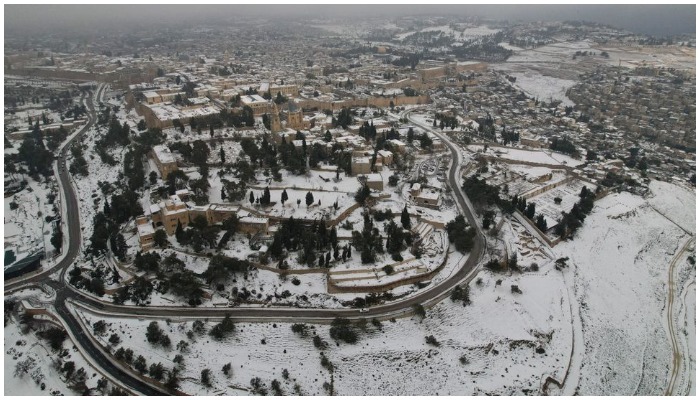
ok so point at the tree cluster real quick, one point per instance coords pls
(341, 329)
(223, 329)
(33, 152)
(368, 242)
(155, 335)
(459, 233)
(571, 221)
(564, 145)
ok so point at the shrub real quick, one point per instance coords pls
(325, 363)
(99, 327)
(153, 333)
(432, 341)
(276, 387)
(419, 311)
(460, 294)
(55, 337)
(300, 329)
(222, 329)
(206, 377)
(342, 330)
(114, 339)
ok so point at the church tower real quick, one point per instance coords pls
(275, 123)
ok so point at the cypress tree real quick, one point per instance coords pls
(179, 232)
(405, 219)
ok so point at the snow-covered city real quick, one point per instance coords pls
(217, 201)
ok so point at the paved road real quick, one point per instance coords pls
(65, 292)
(72, 216)
(678, 355)
(441, 290)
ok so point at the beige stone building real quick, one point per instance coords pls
(295, 120)
(168, 212)
(259, 105)
(145, 232)
(386, 157)
(375, 181)
(360, 165)
(164, 159)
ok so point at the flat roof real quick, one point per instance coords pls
(145, 229)
(163, 154)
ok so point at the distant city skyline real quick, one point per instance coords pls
(657, 20)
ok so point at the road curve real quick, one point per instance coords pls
(72, 216)
(65, 292)
(678, 355)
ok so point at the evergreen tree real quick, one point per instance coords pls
(541, 223)
(334, 237)
(106, 209)
(362, 194)
(251, 198)
(530, 211)
(309, 199)
(405, 219)
(285, 197)
(119, 246)
(179, 233)
(265, 199)
(57, 238)
(222, 155)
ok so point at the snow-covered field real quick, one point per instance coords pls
(27, 349)
(498, 334)
(89, 196)
(621, 257)
(543, 88)
(541, 157)
(555, 52)
(26, 229)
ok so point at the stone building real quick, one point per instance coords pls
(164, 159)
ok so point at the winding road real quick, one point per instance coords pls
(678, 355)
(65, 293)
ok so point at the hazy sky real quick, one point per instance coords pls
(650, 19)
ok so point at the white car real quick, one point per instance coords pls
(364, 310)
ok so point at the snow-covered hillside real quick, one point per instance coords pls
(621, 257)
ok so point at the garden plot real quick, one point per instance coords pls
(534, 156)
(374, 276)
(20, 119)
(568, 193)
(26, 229)
(529, 248)
(231, 148)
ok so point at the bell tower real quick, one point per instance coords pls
(275, 123)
